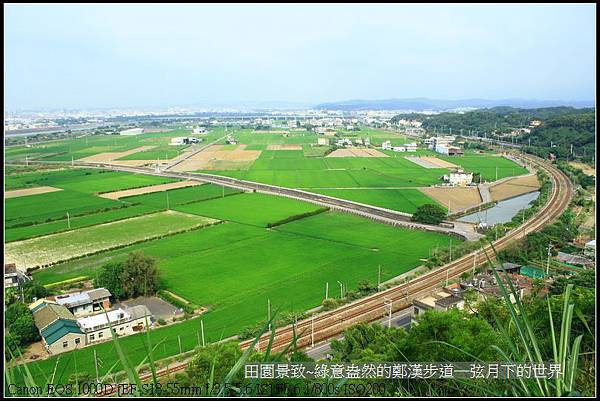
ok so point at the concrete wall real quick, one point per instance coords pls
(123, 329)
(70, 340)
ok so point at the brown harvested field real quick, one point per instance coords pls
(584, 167)
(514, 187)
(110, 157)
(270, 132)
(439, 163)
(459, 197)
(214, 158)
(356, 152)
(284, 147)
(29, 191)
(149, 189)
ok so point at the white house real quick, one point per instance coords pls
(123, 321)
(199, 130)
(399, 149)
(410, 147)
(448, 150)
(459, 177)
(322, 141)
(386, 145)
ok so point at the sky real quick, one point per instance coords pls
(102, 56)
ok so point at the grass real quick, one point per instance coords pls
(32, 209)
(182, 196)
(89, 181)
(236, 267)
(21, 233)
(46, 250)
(402, 200)
(486, 165)
(249, 208)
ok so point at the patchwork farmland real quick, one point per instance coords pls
(264, 248)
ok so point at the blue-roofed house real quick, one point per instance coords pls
(58, 327)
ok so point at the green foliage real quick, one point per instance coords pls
(429, 214)
(33, 289)
(14, 311)
(576, 128)
(583, 279)
(212, 363)
(111, 278)
(140, 275)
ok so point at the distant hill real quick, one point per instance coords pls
(425, 104)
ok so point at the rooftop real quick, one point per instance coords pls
(81, 298)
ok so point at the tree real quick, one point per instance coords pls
(14, 311)
(220, 357)
(24, 328)
(429, 214)
(140, 275)
(111, 278)
(32, 289)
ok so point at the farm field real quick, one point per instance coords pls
(50, 249)
(403, 200)
(20, 233)
(90, 145)
(514, 187)
(486, 165)
(250, 208)
(89, 181)
(238, 267)
(182, 196)
(35, 209)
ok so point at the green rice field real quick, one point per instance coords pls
(237, 267)
(181, 196)
(50, 249)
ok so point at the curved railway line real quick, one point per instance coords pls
(332, 323)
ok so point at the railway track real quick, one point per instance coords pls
(381, 215)
(332, 323)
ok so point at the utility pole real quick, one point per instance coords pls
(389, 303)
(202, 331)
(327, 290)
(72, 161)
(496, 173)
(548, 262)
(341, 290)
(68, 220)
(269, 312)
(450, 249)
(96, 366)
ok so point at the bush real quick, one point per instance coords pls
(429, 214)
